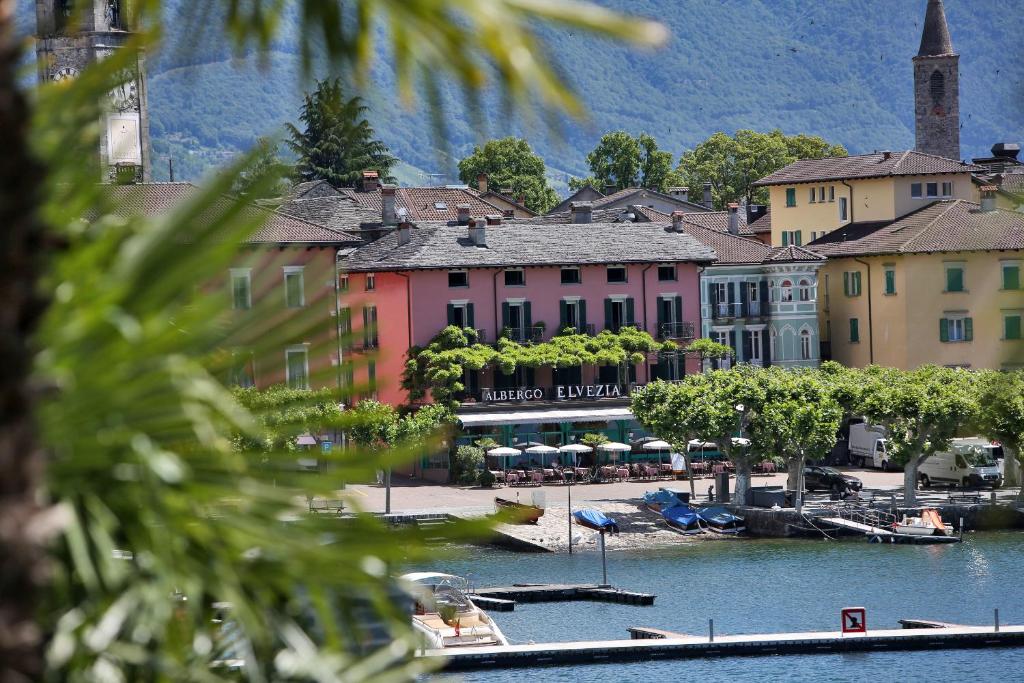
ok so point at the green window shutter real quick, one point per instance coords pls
(527, 316)
(608, 314)
(1011, 277)
(1011, 325)
(505, 314)
(582, 313)
(785, 238)
(846, 284)
(954, 280)
(563, 314)
(854, 330)
(630, 318)
(451, 314)
(856, 283)
(791, 196)
(968, 329)
(470, 319)
(678, 304)
(943, 330)
(890, 282)
(661, 316)
(799, 238)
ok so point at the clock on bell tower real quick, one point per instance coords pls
(71, 35)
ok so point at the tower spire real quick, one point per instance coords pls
(935, 40)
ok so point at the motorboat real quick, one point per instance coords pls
(596, 520)
(720, 521)
(520, 512)
(682, 518)
(929, 523)
(445, 617)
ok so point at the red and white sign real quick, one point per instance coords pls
(854, 620)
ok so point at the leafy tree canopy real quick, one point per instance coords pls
(510, 163)
(733, 164)
(337, 143)
(621, 160)
(264, 177)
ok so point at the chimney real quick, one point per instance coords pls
(755, 211)
(478, 232)
(508, 213)
(463, 213)
(1006, 150)
(680, 192)
(734, 218)
(493, 220)
(521, 199)
(677, 221)
(582, 212)
(481, 182)
(886, 155)
(988, 198)
(609, 188)
(708, 201)
(371, 181)
(404, 233)
(387, 202)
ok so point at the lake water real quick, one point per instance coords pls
(764, 586)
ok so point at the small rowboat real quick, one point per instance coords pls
(596, 520)
(522, 514)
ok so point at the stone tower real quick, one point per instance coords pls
(937, 87)
(72, 34)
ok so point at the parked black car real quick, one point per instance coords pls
(817, 478)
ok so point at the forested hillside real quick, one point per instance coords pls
(839, 69)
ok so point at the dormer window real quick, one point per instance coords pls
(441, 206)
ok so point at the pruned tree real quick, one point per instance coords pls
(1001, 401)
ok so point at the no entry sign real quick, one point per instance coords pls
(854, 620)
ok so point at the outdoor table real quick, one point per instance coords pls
(511, 478)
(536, 476)
(607, 471)
(498, 475)
(581, 473)
(623, 473)
(666, 467)
(650, 471)
(549, 473)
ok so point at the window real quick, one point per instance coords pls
(805, 290)
(572, 314)
(571, 276)
(755, 347)
(241, 288)
(890, 281)
(956, 328)
(240, 373)
(666, 273)
(831, 193)
(828, 279)
(515, 317)
(1011, 326)
(343, 283)
(1011, 276)
(460, 314)
(345, 327)
(294, 287)
(371, 377)
(813, 193)
(370, 340)
(458, 278)
(616, 274)
(854, 330)
(851, 283)
(515, 277)
(932, 190)
(296, 367)
(773, 341)
(440, 206)
(915, 190)
(805, 344)
(790, 196)
(786, 291)
(947, 189)
(842, 208)
(821, 193)
(794, 237)
(618, 313)
(371, 282)
(954, 278)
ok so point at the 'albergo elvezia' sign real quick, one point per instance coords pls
(561, 393)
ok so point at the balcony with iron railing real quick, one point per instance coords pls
(735, 309)
(676, 330)
(587, 329)
(524, 335)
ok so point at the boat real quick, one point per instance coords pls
(445, 617)
(720, 521)
(928, 524)
(682, 518)
(596, 520)
(521, 513)
(660, 500)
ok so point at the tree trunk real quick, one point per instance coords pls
(22, 556)
(689, 473)
(792, 473)
(742, 496)
(1011, 469)
(910, 481)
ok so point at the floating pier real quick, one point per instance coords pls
(645, 650)
(562, 593)
(884, 535)
(647, 633)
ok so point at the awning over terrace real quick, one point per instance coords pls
(534, 417)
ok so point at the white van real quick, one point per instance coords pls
(868, 446)
(968, 462)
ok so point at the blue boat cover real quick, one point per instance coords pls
(661, 497)
(683, 515)
(595, 518)
(718, 516)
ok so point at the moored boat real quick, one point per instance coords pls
(929, 523)
(522, 513)
(445, 616)
(682, 518)
(596, 520)
(720, 521)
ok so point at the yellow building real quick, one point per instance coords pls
(812, 197)
(941, 285)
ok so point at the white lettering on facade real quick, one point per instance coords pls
(561, 392)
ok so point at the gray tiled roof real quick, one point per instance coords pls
(523, 243)
(943, 226)
(737, 249)
(336, 213)
(636, 195)
(584, 194)
(865, 166)
(422, 203)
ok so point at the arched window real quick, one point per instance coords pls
(772, 341)
(937, 85)
(786, 291)
(805, 344)
(805, 290)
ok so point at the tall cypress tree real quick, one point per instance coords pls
(338, 143)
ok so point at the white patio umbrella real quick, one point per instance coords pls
(614, 447)
(542, 450)
(504, 452)
(658, 446)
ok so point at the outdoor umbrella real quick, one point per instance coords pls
(542, 450)
(575, 449)
(615, 448)
(658, 446)
(504, 452)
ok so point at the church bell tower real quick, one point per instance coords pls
(937, 87)
(71, 35)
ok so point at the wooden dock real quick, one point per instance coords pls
(645, 650)
(563, 593)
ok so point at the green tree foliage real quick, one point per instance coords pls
(733, 164)
(264, 177)
(1001, 403)
(466, 464)
(705, 349)
(336, 143)
(284, 414)
(510, 163)
(921, 410)
(621, 160)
